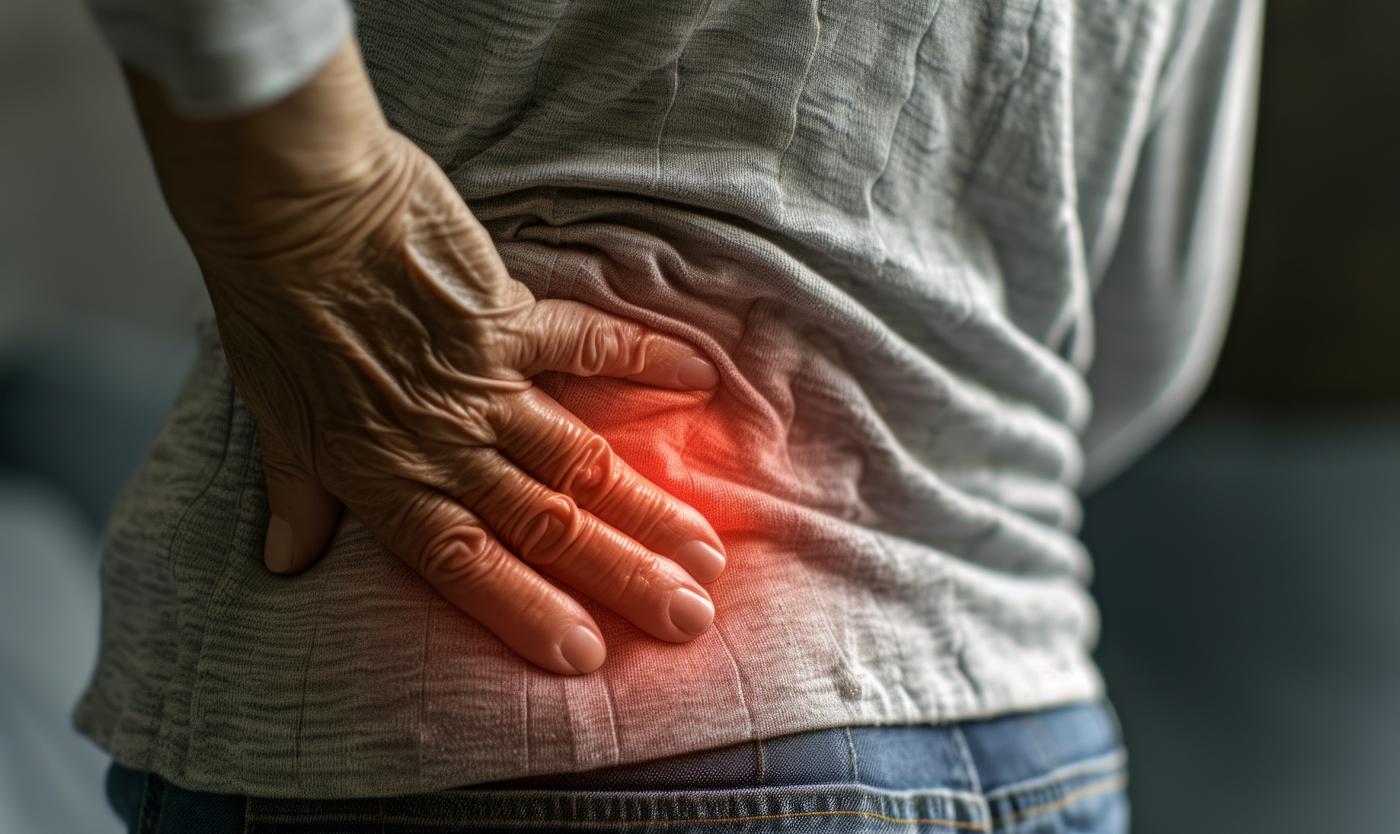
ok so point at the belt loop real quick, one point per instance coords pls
(152, 799)
(855, 760)
(1114, 720)
(966, 753)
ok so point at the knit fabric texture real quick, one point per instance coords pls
(956, 261)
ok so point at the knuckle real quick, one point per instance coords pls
(550, 530)
(462, 554)
(607, 343)
(643, 513)
(656, 513)
(593, 473)
(495, 412)
(595, 347)
(640, 575)
(516, 339)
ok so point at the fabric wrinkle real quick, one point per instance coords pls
(893, 276)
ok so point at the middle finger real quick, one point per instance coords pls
(548, 530)
(551, 443)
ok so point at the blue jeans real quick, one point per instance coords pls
(1049, 772)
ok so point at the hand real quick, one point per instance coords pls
(373, 330)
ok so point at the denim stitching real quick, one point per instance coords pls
(1108, 785)
(1106, 763)
(959, 825)
(497, 797)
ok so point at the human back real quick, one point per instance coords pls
(885, 230)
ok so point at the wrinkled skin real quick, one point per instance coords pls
(374, 332)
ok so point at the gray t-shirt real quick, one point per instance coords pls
(957, 261)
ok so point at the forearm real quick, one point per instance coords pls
(224, 177)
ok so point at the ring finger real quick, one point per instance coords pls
(548, 530)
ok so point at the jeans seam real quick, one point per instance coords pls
(1111, 783)
(945, 822)
(1115, 782)
(1107, 763)
(581, 812)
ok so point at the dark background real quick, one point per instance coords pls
(1246, 567)
(1315, 323)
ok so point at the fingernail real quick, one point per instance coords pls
(582, 649)
(695, 372)
(277, 548)
(691, 612)
(704, 562)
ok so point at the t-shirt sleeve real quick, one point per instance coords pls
(1164, 300)
(220, 57)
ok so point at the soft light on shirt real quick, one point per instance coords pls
(954, 260)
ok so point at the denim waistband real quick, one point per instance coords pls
(972, 776)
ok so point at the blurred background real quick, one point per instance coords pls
(1245, 567)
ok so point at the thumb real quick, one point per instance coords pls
(303, 516)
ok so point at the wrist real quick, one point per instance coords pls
(217, 174)
(326, 132)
